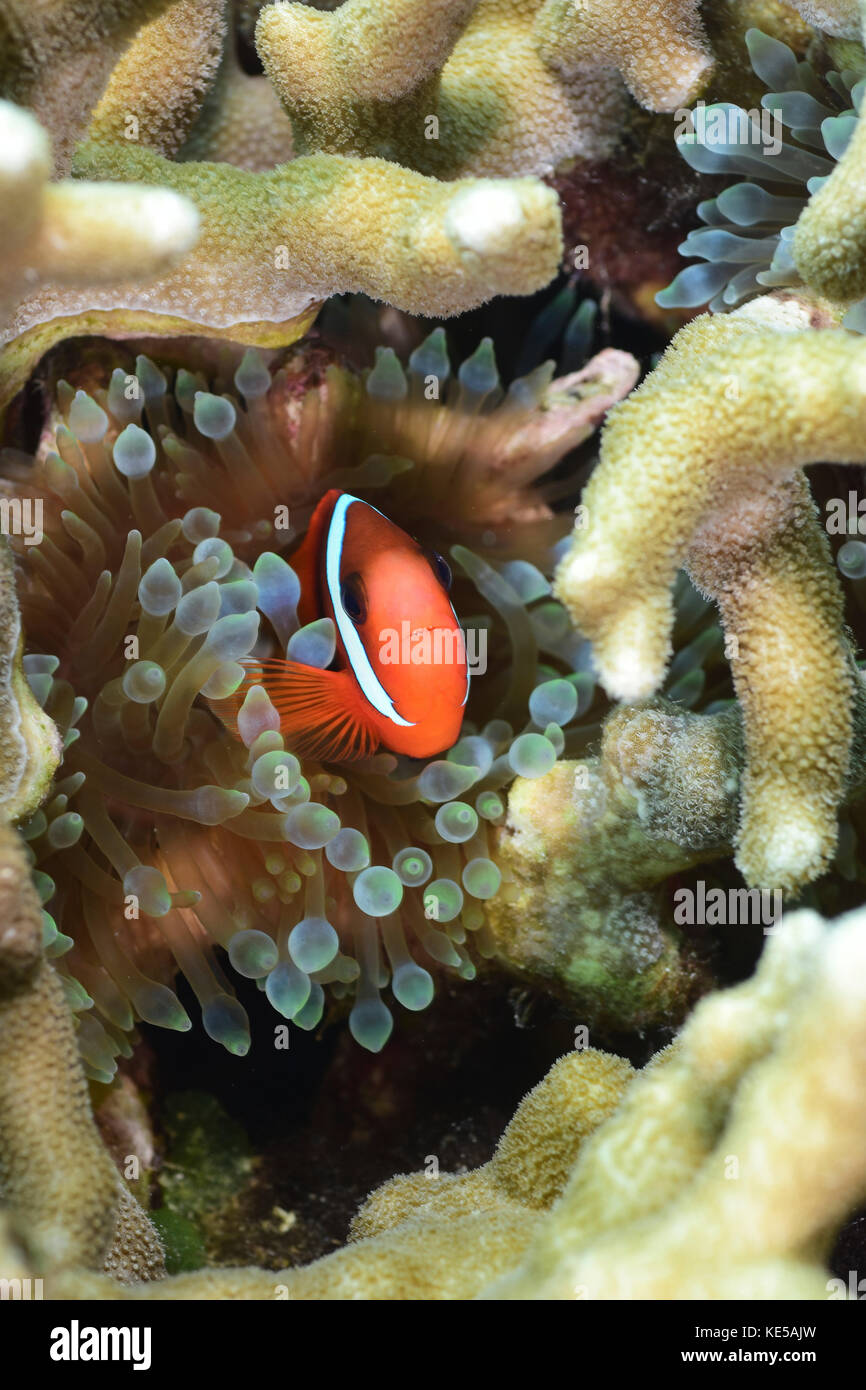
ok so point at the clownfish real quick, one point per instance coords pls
(380, 588)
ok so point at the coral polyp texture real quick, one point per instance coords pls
(494, 87)
(77, 1212)
(703, 466)
(167, 510)
(841, 18)
(75, 233)
(31, 744)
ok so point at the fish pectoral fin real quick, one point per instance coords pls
(321, 715)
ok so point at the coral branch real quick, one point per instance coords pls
(56, 59)
(157, 89)
(55, 1175)
(29, 741)
(586, 851)
(273, 245)
(78, 233)
(325, 66)
(829, 245)
(702, 466)
(779, 596)
(658, 47)
(20, 913)
(651, 1210)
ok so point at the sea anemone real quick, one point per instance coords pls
(168, 503)
(746, 244)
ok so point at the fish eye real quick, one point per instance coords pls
(440, 567)
(353, 598)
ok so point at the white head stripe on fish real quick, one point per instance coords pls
(366, 677)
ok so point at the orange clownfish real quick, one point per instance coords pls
(400, 678)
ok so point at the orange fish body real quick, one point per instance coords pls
(401, 679)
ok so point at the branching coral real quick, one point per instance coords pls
(737, 1153)
(659, 48)
(380, 97)
(157, 88)
(75, 233)
(56, 60)
(438, 1237)
(58, 1186)
(174, 499)
(57, 1182)
(142, 599)
(703, 466)
(526, 85)
(56, 1178)
(360, 80)
(696, 1178)
(274, 245)
(591, 851)
(287, 238)
(275, 242)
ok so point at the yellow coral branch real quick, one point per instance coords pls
(55, 1175)
(734, 1156)
(701, 465)
(829, 245)
(77, 233)
(156, 90)
(274, 244)
(659, 47)
(57, 58)
(326, 66)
